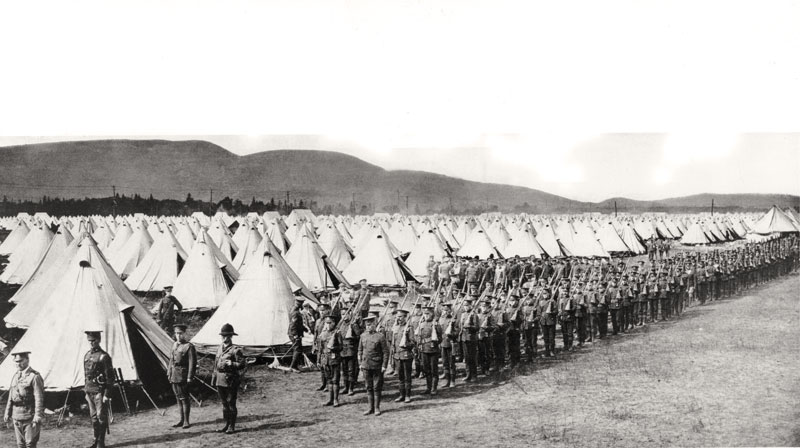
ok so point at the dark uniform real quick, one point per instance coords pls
(429, 335)
(448, 322)
(182, 365)
(329, 353)
(468, 336)
(548, 312)
(403, 343)
(166, 311)
(227, 378)
(350, 331)
(530, 326)
(296, 331)
(373, 355)
(98, 378)
(26, 401)
(486, 329)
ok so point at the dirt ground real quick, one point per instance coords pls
(725, 374)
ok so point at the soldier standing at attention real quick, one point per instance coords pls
(182, 364)
(548, 312)
(324, 312)
(448, 322)
(25, 405)
(166, 309)
(530, 324)
(429, 335)
(98, 376)
(350, 331)
(329, 358)
(228, 366)
(296, 330)
(468, 336)
(403, 343)
(373, 356)
(512, 333)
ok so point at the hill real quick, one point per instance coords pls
(173, 169)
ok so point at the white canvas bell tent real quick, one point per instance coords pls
(631, 239)
(775, 220)
(610, 239)
(206, 278)
(14, 238)
(311, 264)
(332, 243)
(91, 297)
(429, 244)
(695, 235)
(121, 236)
(161, 265)
(546, 237)
(27, 255)
(257, 306)
(133, 252)
(376, 263)
(478, 245)
(103, 235)
(524, 244)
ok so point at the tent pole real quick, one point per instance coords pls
(205, 384)
(63, 409)
(153, 402)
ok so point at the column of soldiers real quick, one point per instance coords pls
(490, 314)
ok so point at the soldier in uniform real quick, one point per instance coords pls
(25, 405)
(530, 325)
(182, 364)
(501, 324)
(373, 357)
(330, 358)
(515, 323)
(548, 311)
(428, 337)
(468, 336)
(98, 377)
(364, 296)
(485, 330)
(403, 343)
(350, 329)
(166, 309)
(229, 364)
(602, 311)
(566, 315)
(324, 312)
(296, 330)
(663, 295)
(652, 297)
(581, 313)
(448, 322)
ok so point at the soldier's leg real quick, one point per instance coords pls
(369, 385)
(535, 339)
(234, 394)
(224, 399)
(179, 397)
(427, 371)
(408, 368)
(434, 366)
(297, 355)
(401, 382)
(19, 432)
(514, 348)
(327, 370)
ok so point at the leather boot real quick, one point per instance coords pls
(371, 400)
(407, 395)
(101, 435)
(402, 395)
(227, 418)
(447, 378)
(183, 415)
(232, 427)
(435, 385)
(428, 384)
(330, 397)
(377, 403)
(336, 396)
(352, 388)
(324, 383)
(94, 430)
(452, 381)
(187, 404)
(346, 386)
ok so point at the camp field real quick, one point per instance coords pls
(725, 374)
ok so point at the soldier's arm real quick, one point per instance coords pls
(38, 398)
(360, 350)
(192, 363)
(385, 348)
(109, 372)
(177, 303)
(8, 403)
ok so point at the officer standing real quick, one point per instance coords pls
(296, 330)
(373, 356)
(25, 402)
(166, 309)
(98, 376)
(229, 364)
(182, 365)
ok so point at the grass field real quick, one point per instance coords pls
(725, 374)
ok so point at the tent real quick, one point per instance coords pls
(257, 306)
(90, 296)
(27, 255)
(774, 220)
(524, 244)
(631, 239)
(376, 263)
(478, 245)
(611, 240)
(206, 278)
(251, 241)
(310, 263)
(429, 245)
(161, 265)
(132, 252)
(695, 235)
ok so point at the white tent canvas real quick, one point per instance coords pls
(376, 263)
(27, 255)
(206, 278)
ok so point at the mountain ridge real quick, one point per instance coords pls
(172, 169)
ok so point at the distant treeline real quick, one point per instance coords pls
(127, 205)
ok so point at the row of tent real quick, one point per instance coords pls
(75, 285)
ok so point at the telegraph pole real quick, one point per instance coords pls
(615, 209)
(114, 200)
(406, 205)
(712, 207)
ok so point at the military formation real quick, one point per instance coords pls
(495, 315)
(487, 314)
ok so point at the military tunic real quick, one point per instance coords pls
(26, 401)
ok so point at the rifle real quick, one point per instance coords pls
(403, 340)
(118, 379)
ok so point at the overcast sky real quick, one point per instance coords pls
(529, 93)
